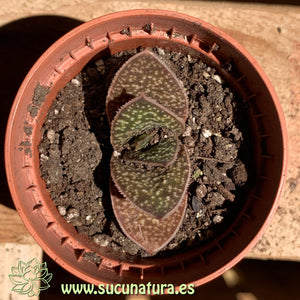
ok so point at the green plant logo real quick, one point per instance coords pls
(30, 278)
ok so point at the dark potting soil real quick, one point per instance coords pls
(75, 153)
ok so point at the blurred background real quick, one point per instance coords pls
(269, 30)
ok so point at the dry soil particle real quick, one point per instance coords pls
(40, 93)
(75, 152)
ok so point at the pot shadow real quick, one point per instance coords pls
(22, 42)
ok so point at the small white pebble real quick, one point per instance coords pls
(72, 213)
(44, 157)
(217, 78)
(51, 135)
(62, 210)
(205, 74)
(104, 243)
(161, 51)
(89, 219)
(116, 153)
(193, 119)
(187, 131)
(75, 81)
(200, 214)
(56, 111)
(206, 133)
(217, 219)
(101, 240)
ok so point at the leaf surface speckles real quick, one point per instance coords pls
(157, 191)
(162, 154)
(147, 231)
(150, 169)
(141, 114)
(146, 73)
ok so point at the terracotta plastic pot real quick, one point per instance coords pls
(148, 28)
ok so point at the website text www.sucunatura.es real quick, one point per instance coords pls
(126, 289)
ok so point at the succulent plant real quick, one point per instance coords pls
(150, 168)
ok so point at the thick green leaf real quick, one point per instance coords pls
(142, 141)
(146, 73)
(140, 115)
(148, 232)
(150, 169)
(157, 192)
(162, 154)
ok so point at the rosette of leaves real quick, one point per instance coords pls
(30, 278)
(150, 168)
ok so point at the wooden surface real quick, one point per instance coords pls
(269, 32)
(11, 253)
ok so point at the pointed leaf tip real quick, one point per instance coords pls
(148, 232)
(146, 73)
(139, 115)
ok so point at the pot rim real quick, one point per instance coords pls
(119, 15)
